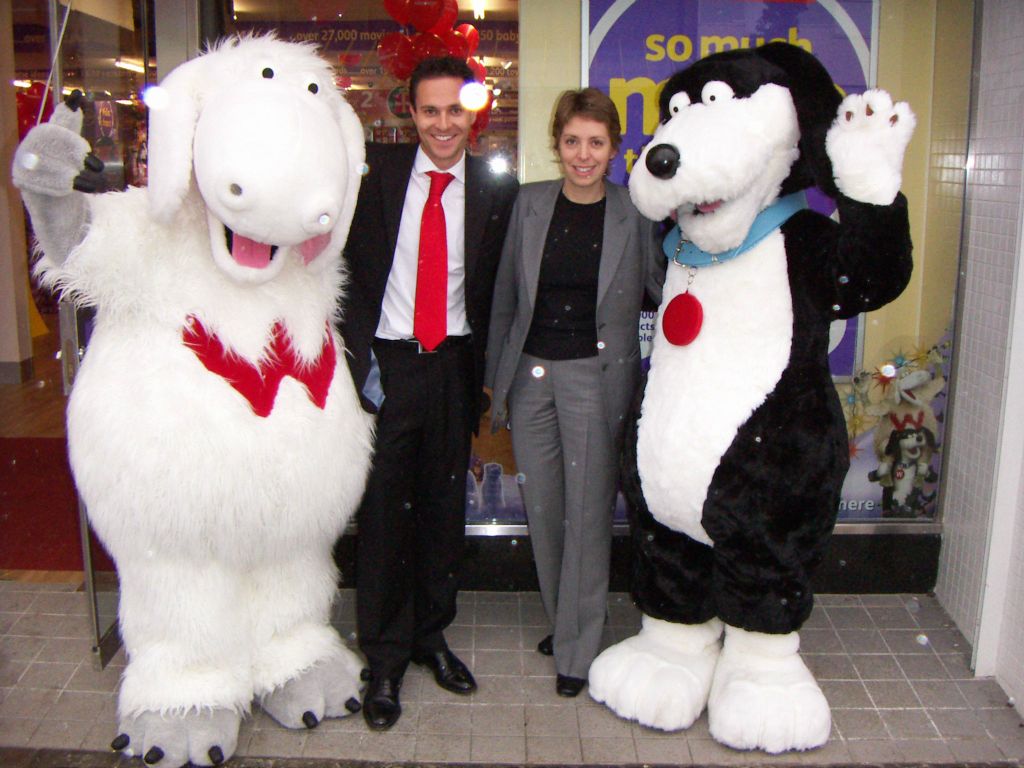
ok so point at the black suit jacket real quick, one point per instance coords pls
(370, 252)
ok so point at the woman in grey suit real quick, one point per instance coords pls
(563, 360)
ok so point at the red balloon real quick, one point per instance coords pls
(393, 50)
(471, 34)
(428, 46)
(424, 14)
(398, 10)
(404, 64)
(458, 45)
(28, 101)
(449, 12)
(479, 70)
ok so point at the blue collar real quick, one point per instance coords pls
(687, 254)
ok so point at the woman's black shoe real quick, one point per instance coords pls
(546, 646)
(569, 687)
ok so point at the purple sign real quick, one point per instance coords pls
(635, 45)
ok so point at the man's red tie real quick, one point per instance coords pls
(430, 316)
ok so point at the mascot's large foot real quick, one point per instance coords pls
(764, 697)
(208, 737)
(330, 688)
(660, 677)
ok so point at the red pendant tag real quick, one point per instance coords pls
(682, 319)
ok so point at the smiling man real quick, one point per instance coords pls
(422, 256)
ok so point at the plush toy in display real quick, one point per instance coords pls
(213, 429)
(905, 442)
(740, 449)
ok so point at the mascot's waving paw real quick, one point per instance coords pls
(54, 159)
(866, 145)
(330, 688)
(208, 737)
(764, 697)
(660, 677)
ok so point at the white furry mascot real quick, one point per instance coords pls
(740, 451)
(213, 429)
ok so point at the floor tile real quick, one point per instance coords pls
(877, 667)
(498, 720)
(893, 667)
(553, 750)
(451, 719)
(674, 751)
(892, 694)
(908, 724)
(608, 751)
(544, 720)
(437, 748)
(498, 749)
(939, 694)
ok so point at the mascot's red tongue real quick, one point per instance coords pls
(249, 253)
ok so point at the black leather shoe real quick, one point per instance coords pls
(547, 646)
(449, 673)
(381, 708)
(569, 687)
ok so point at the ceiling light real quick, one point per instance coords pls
(479, 6)
(131, 66)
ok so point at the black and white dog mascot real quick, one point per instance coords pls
(740, 445)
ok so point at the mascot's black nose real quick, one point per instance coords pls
(662, 161)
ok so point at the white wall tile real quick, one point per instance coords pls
(992, 235)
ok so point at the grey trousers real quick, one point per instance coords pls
(569, 471)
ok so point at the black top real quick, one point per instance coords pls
(564, 323)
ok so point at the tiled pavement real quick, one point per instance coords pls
(893, 668)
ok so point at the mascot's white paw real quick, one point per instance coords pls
(660, 677)
(764, 697)
(866, 144)
(207, 737)
(330, 688)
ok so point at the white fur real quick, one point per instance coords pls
(221, 522)
(867, 150)
(734, 150)
(661, 677)
(699, 395)
(764, 697)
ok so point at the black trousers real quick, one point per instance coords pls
(412, 518)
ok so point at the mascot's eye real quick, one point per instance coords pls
(313, 87)
(715, 92)
(268, 73)
(677, 103)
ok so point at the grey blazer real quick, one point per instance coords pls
(631, 261)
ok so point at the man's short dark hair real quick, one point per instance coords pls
(442, 66)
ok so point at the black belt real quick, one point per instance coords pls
(411, 345)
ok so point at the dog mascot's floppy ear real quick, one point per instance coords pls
(172, 127)
(816, 100)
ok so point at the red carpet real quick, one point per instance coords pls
(39, 508)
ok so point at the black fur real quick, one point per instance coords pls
(773, 500)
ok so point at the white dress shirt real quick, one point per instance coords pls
(396, 314)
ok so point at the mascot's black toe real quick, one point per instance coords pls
(216, 755)
(154, 756)
(310, 720)
(120, 742)
(353, 705)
